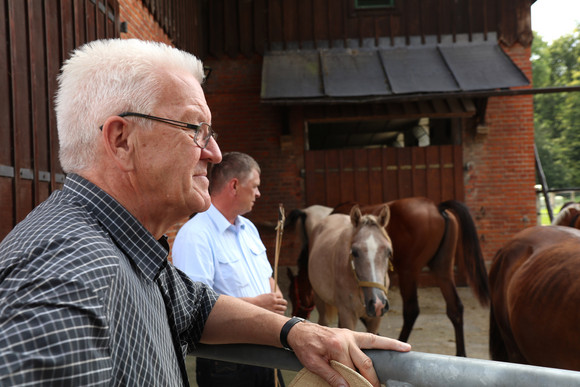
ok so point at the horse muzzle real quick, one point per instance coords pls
(376, 305)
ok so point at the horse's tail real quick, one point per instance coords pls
(497, 344)
(471, 253)
(300, 289)
(497, 348)
(293, 217)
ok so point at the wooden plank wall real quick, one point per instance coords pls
(371, 176)
(252, 26)
(35, 38)
(182, 21)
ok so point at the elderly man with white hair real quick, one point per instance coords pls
(87, 294)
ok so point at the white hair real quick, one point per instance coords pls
(107, 77)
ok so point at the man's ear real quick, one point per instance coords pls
(116, 137)
(233, 185)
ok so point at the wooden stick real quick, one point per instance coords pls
(278, 246)
(279, 234)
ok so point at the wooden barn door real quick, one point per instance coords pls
(35, 38)
(376, 175)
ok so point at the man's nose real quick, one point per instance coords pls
(212, 151)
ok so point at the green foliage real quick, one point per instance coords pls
(557, 116)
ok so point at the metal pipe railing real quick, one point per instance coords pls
(410, 368)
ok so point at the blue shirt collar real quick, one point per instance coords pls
(221, 223)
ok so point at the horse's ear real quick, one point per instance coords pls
(355, 215)
(384, 216)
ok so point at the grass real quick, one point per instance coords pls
(545, 218)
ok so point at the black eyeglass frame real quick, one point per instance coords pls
(179, 124)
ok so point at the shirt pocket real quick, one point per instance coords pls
(233, 271)
(258, 251)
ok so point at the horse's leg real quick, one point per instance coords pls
(371, 324)
(321, 308)
(408, 288)
(454, 308)
(292, 290)
(347, 319)
(442, 268)
(305, 292)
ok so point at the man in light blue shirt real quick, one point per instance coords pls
(223, 249)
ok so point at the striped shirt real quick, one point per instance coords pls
(87, 297)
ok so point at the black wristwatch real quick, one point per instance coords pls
(286, 329)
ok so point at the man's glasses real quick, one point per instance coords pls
(203, 131)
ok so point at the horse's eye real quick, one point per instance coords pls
(354, 253)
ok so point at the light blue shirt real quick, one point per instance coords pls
(229, 258)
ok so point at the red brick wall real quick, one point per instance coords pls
(499, 177)
(500, 169)
(140, 23)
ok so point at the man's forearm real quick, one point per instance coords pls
(234, 321)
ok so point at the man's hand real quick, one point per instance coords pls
(273, 302)
(315, 346)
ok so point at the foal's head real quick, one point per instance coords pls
(371, 252)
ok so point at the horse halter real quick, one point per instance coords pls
(299, 306)
(371, 284)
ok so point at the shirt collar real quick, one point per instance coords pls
(221, 223)
(148, 254)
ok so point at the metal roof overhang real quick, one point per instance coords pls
(385, 72)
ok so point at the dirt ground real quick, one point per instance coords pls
(433, 332)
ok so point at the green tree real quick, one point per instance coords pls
(556, 116)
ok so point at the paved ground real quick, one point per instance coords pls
(433, 332)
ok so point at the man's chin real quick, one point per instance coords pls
(206, 203)
(201, 204)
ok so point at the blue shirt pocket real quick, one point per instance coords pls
(233, 272)
(260, 258)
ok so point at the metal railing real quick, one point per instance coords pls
(409, 369)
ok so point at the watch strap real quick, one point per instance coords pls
(286, 329)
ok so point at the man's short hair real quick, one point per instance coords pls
(233, 165)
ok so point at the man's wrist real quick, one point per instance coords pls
(286, 330)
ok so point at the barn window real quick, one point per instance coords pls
(397, 133)
(373, 4)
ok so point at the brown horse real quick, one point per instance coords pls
(424, 234)
(355, 250)
(569, 215)
(535, 298)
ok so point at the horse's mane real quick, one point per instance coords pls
(565, 211)
(369, 220)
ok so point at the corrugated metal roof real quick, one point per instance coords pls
(335, 73)
(348, 73)
(482, 67)
(418, 70)
(291, 75)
